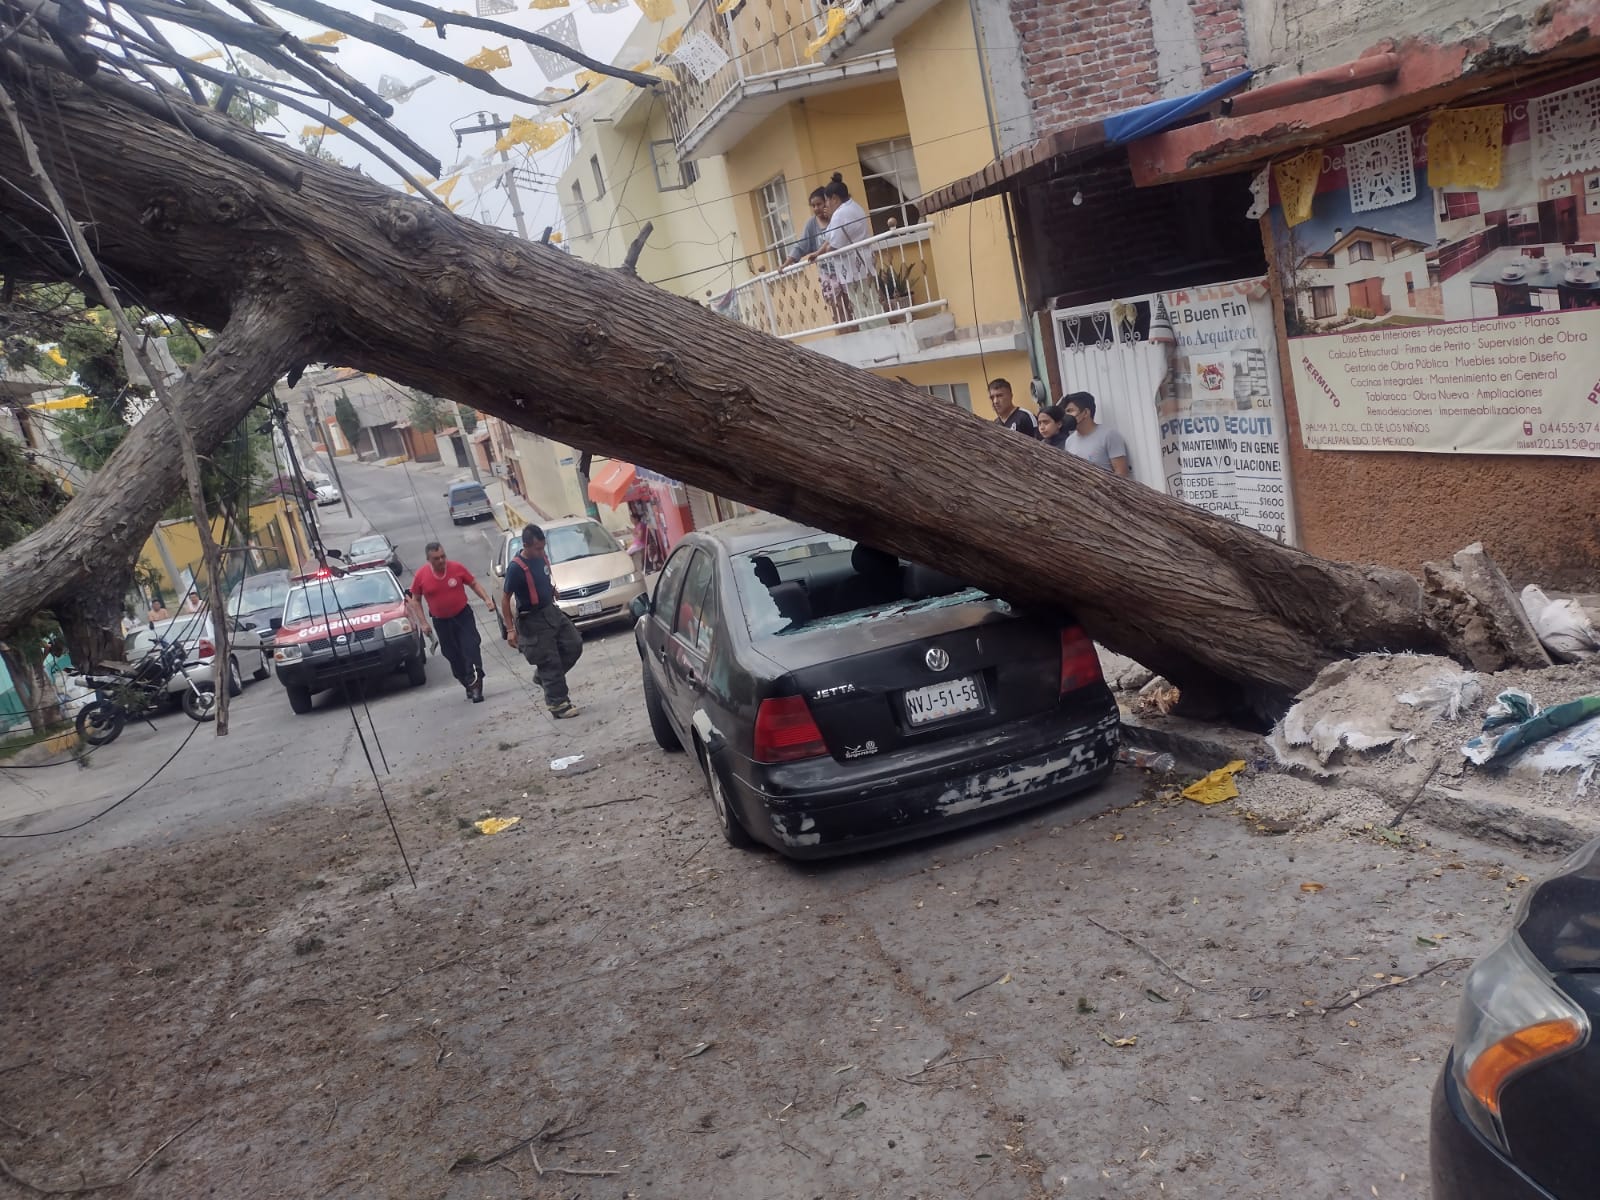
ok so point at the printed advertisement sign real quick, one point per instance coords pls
(1221, 411)
(1464, 320)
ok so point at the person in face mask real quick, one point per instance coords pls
(1055, 425)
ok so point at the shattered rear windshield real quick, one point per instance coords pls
(812, 584)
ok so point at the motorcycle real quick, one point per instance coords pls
(124, 692)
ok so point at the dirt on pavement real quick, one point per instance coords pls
(1148, 1000)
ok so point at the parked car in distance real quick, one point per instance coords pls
(1515, 1108)
(596, 580)
(374, 550)
(838, 699)
(467, 502)
(194, 632)
(327, 491)
(338, 628)
(257, 600)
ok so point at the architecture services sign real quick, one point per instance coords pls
(1521, 385)
(1464, 318)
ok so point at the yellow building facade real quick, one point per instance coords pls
(895, 114)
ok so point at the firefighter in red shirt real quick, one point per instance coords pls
(443, 583)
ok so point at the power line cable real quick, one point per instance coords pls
(109, 808)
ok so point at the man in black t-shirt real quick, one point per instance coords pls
(535, 625)
(1006, 411)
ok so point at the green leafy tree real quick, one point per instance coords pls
(427, 412)
(345, 413)
(469, 420)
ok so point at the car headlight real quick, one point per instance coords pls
(287, 654)
(398, 628)
(624, 581)
(1513, 1017)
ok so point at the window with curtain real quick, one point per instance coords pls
(889, 183)
(772, 208)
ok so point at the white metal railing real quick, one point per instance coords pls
(759, 37)
(883, 280)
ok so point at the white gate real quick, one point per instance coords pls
(1104, 352)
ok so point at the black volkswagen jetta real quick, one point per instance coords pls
(1515, 1109)
(839, 699)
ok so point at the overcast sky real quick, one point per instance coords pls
(429, 114)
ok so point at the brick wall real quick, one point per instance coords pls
(1085, 60)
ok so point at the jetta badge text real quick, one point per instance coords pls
(937, 659)
(843, 689)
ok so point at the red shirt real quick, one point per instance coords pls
(447, 594)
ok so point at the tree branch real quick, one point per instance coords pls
(441, 19)
(630, 261)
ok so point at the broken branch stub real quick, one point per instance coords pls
(438, 303)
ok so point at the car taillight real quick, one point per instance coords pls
(205, 649)
(785, 731)
(1513, 1018)
(1080, 665)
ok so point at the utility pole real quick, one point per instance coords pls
(308, 514)
(492, 124)
(472, 459)
(333, 459)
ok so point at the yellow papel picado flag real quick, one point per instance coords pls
(444, 189)
(491, 59)
(535, 135)
(655, 10)
(837, 18)
(328, 38)
(1465, 147)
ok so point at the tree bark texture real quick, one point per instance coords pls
(605, 361)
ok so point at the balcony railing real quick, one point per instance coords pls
(763, 41)
(885, 280)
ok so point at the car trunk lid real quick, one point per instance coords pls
(934, 671)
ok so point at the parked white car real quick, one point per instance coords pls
(194, 632)
(327, 490)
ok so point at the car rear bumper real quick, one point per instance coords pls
(1465, 1166)
(613, 604)
(1044, 761)
(324, 671)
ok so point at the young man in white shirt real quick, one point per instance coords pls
(1091, 441)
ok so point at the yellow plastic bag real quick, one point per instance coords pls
(1215, 787)
(495, 824)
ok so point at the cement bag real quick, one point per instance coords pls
(1563, 627)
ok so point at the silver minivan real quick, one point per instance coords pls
(467, 501)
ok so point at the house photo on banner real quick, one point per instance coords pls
(1452, 306)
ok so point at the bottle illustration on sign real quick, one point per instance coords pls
(1527, 429)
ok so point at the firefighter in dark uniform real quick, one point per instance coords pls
(546, 636)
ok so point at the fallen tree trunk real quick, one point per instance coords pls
(602, 360)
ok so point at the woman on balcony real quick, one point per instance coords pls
(855, 292)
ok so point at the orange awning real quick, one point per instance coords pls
(611, 483)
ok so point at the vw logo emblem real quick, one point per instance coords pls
(937, 659)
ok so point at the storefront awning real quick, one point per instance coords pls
(1078, 143)
(611, 484)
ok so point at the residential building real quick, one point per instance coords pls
(893, 100)
(1326, 348)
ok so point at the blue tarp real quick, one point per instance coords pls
(1164, 114)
